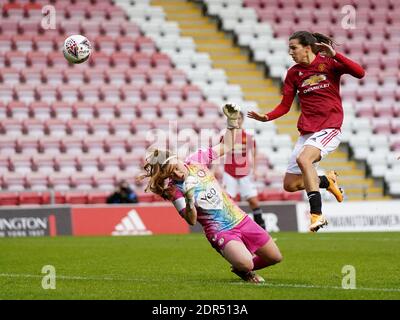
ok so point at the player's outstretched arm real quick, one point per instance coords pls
(232, 113)
(257, 116)
(190, 214)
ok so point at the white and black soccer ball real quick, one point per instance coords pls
(77, 48)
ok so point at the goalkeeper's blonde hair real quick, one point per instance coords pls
(158, 168)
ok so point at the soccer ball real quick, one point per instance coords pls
(77, 49)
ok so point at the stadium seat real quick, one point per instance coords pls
(43, 163)
(76, 197)
(9, 198)
(98, 197)
(37, 181)
(93, 144)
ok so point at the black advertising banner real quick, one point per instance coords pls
(277, 217)
(35, 222)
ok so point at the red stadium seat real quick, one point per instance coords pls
(82, 181)
(11, 127)
(53, 76)
(145, 197)
(115, 144)
(169, 110)
(147, 110)
(55, 127)
(88, 163)
(145, 45)
(104, 181)
(37, 181)
(126, 44)
(89, 93)
(13, 181)
(161, 60)
(117, 76)
(13, 11)
(121, 59)
(17, 110)
(140, 59)
(43, 163)
(95, 76)
(76, 197)
(21, 163)
(111, 28)
(172, 93)
(50, 145)
(29, 198)
(68, 93)
(271, 195)
(55, 59)
(23, 43)
(130, 28)
(47, 93)
(72, 145)
(192, 93)
(105, 44)
(78, 127)
(97, 197)
(152, 93)
(33, 127)
(44, 43)
(93, 144)
(62, 110)
(91, 29)
(27, 145)
(10, 76)
(157, 76)
(99, 59)
(104, 110)
(66, 163)
(9, 26)
(131, 93)
(73, 77)
(176, 77)
(138, 76)
(110, 93)
(9, 198)
(26, 93)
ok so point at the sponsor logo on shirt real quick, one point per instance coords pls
(313, 80)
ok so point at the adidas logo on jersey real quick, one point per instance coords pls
(131, 225)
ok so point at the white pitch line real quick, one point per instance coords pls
(341, 239)
(310, 286)
(282, 285)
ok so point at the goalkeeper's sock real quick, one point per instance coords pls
(259, 263)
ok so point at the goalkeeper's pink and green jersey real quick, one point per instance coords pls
(216, 211)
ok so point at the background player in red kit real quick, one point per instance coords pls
(316, 80)
(237, 175)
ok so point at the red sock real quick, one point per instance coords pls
(259, 263)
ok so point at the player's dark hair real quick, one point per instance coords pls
(306, 38)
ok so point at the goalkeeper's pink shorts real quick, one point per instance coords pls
(247, 231)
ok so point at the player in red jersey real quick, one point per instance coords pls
(316, 80)
(237, 172)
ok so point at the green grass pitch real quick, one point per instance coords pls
(185, 267)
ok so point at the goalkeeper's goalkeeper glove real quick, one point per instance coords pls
(232, 112)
